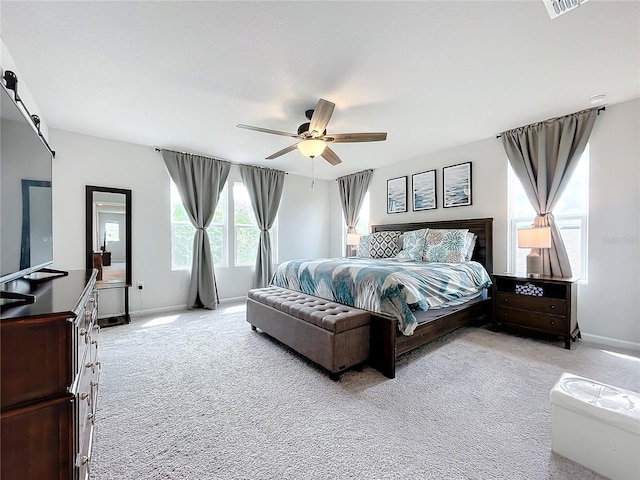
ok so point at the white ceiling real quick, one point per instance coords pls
(433, 74)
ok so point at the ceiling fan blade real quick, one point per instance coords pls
(356, 137)
(320, 118)
(268, 130)
(330, 156)
(283, 151)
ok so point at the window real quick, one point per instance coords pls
(571, 215)
(182, 232)
(362, 227)
(112, 229)
(234, 208)
(246, 228)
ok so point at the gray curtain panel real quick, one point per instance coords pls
(265, 191)
(200, 181)
(544, 156)
(353, 188)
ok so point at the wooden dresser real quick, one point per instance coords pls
(49, 374)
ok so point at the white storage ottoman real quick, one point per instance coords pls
(597, 425)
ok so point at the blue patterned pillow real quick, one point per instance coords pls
(446, 246)
(413, 243)
(363, 247)
(379, 245)
(384, 244)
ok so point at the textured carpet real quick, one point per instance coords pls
(198, 395)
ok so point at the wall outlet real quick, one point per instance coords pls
(140, 285)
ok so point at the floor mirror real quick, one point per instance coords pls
(108, 240)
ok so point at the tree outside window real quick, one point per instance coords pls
(182, 232)
(246, 227)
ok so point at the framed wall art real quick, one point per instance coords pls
(456, 185)
(423, 187)
(397, 195)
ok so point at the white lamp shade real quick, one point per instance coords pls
(353, 239)
(537, 237)
(311, 148)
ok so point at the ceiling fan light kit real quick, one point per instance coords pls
(313, 135)
(312, 148)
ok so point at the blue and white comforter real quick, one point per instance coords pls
(385, 285)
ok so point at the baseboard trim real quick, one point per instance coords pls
(174, 308)
(612, 342)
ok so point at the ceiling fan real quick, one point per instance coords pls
(313, 135)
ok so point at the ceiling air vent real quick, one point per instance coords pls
(555, 8)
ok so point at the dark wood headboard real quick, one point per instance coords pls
(482, 227)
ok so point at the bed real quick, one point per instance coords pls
(394, 330)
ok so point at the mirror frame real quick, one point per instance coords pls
(90, 189)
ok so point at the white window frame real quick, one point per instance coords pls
(224, 205)
(273, 232)
(562, 222)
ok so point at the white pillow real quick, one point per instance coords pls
(471, 245)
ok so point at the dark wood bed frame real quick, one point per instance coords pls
(387, 343)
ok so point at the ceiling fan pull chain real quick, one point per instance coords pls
(313, 172)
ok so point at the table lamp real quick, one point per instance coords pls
(534, 238)
(353, 240)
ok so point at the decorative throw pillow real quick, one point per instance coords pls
(446, 245)
(383, 244)
(413, 243)
(471, 245)
(364, 247)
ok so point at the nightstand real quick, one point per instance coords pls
(546, 305)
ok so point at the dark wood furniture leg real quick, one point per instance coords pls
(382, 345)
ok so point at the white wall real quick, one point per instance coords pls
(85, 160)
(609, 305)
(489, 190)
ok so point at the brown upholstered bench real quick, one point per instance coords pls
(330, 334)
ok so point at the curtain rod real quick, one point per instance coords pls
(601, 109)
(222, 160)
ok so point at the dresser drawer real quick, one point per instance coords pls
(553, 306)
(36, 360)
(528, 319)
(36, 440)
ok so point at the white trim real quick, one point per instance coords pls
(174, 308)
(611, 342)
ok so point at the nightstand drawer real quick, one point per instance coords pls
(534, 320)
(554, 306)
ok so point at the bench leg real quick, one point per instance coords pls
(334, 376)
(254, 328)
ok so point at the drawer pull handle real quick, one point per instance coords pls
(91, 417)
(553, 322)
(552, 307)
(83, 332)
(84, 396)
(506, 300)
(84, 460)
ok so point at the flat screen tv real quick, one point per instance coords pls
(26, 215)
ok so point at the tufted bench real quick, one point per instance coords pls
(330, 334)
